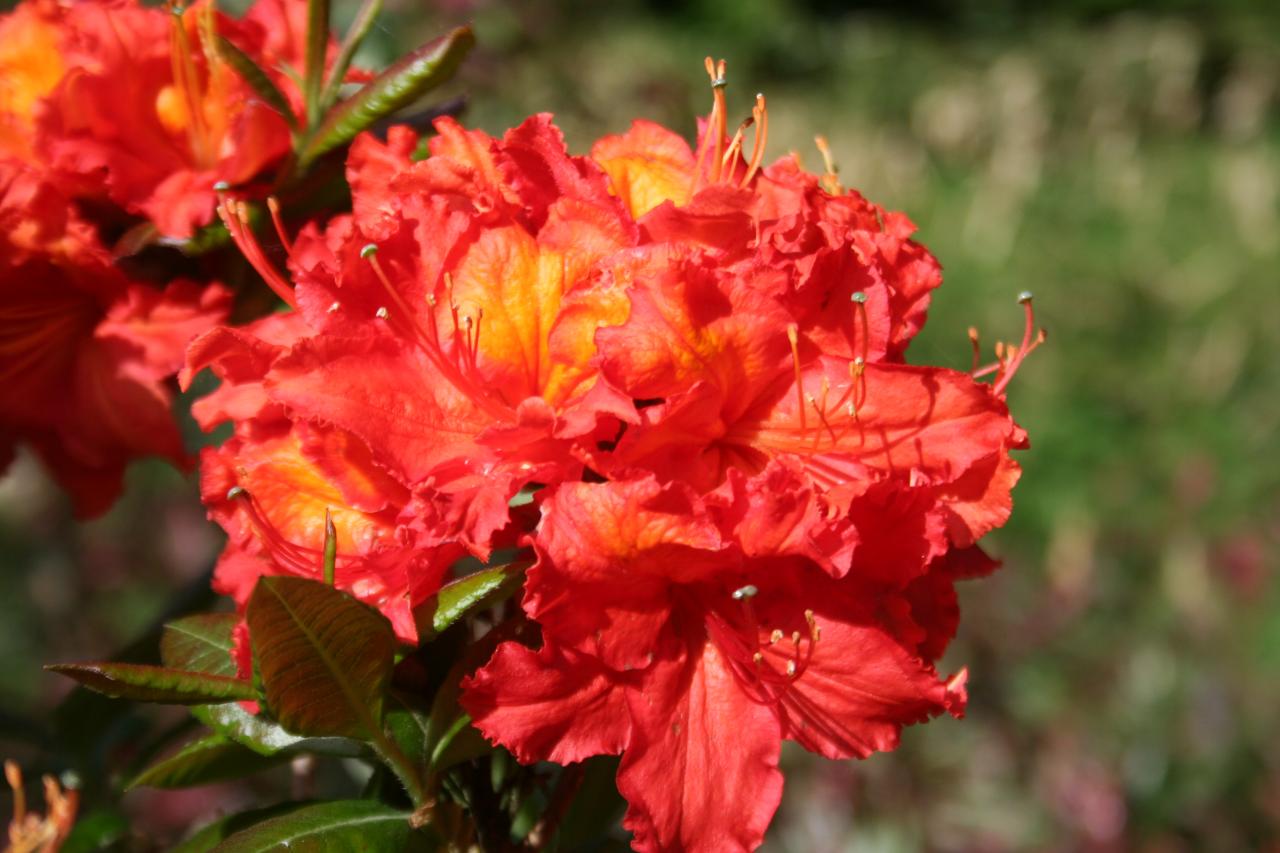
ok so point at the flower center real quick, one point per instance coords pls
(764, 661)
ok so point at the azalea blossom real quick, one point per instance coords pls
(691, 638)
(775, 553)
(150, 114)
(748, 511)
(443, 334)
(86, 351)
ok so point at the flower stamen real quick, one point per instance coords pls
(761, 121)
(235, 216)
(830, 180)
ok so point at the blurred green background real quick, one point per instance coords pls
(1120, 160)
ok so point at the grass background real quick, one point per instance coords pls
(1120, 160)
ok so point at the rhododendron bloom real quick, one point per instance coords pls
(443, 330)
(683, 636)
(748, 511)
(85, 351)
(776, 553)
(149, 112)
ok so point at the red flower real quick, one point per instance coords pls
(150, 114)
(85, 351)
(776, 555)
(31, 64)
(786, 504)
(449, 320)
(691, 638)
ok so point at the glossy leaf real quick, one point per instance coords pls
(200, 643)
(344, 825)
(360, 28)
(214, 758)
(409, 727)
(155, 683)
(213, 834)
(325, 658)
(459, 597)
(203, 643)
(257, 79)
(398, 86)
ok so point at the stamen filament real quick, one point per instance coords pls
(1030, 340)
(793, 336)
(274, 206)
(761, 117)
(831, 179)
(235, 216)
(186, 79)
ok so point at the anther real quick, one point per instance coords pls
(237, 492)
(775, 636)
(221, 186)
(791, 668)
(831, 180)
(369, 249)
(381, 313)
(333, 307)
(795, 638)
(1024, 297)
(757, 658)
(745, 592)
(859, 297)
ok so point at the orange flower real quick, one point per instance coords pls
(31, 833)
(31, 64)
(84, 351)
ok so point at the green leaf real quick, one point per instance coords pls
(457, 743)
(343, 826)
(330, 548)
(325, 658)
(155, 683)
(97, 830)
(398, 86)
(360, 28)
(459, 597)
(214, 758)
(268, 738)
(257, 79)
(409, 728)
(203, 643)
(200, 643)
(213, 834)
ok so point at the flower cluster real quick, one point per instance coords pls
(117, 120)
(676, 378)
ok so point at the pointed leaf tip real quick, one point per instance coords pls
(400, 85)
(143, 683)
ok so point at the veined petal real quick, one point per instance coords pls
(894, 418)
(387, 394)
(647, 166)
(549, 705)
(608, 555)
(688, 325)
(701, 769)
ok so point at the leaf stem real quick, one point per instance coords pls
(403, 767)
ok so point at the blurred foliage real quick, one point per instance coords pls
(1123, 163)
